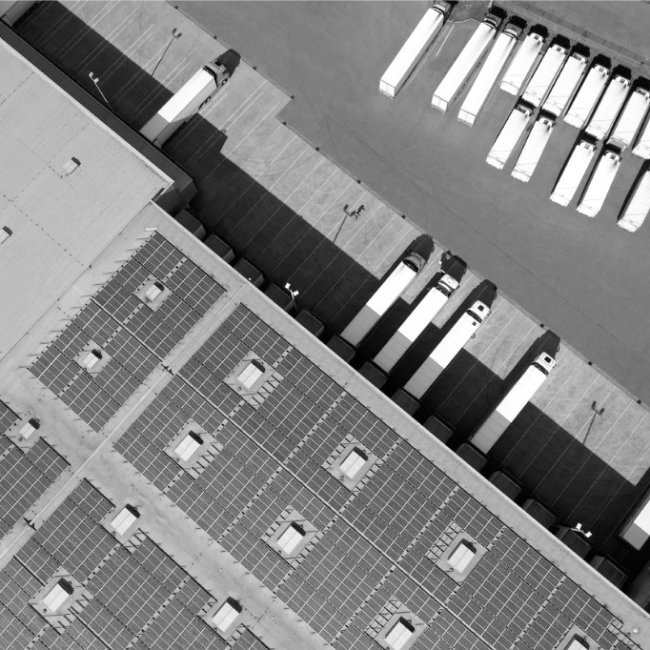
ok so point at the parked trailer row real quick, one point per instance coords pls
(545, 74)
(416, 323)
(488, 74)
(445, 352)
(630, 119)
(509, 136)
(533, 149)
(186, 102)
(566, 84)
(390, 290)
(522, 63)
(465, 62)
(574, 170)
(638, 206)
(586, 98)
(513, 403)
(413, 50)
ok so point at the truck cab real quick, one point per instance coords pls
(219, 71)
(545, 363)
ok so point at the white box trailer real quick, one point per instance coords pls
(586, 98)
(488, 74)
(545, 74)
(565, 84)
(416, 323)
(412, 51)
(509, 136)
(533, 149)
(630, 119)
(513, 403)
(389, 291)
(642, 147)
(186, 102)
(444, 353)
(522, 63)
(597, 189)
(464, 63)
(574, 170)
(638, 206)
(636, 530)
(603, 118)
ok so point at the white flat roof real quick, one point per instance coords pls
(59, 223)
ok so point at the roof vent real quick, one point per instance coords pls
(5, 233)
(29, 427)
(291, 537)
(58, 595)
(226, 615)
(92, 359)
(71, 166)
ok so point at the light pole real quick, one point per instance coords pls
(95, 80)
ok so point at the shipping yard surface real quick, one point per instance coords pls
(273, 198)
(583, 278)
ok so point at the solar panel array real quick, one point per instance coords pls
(133, 335)
(375, 549)
(139, 597)
(24, 476)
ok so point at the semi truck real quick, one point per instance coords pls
(522, 63)
(379, 303)
(445, 352)
(513, 403)
(607, 110)
(586, 98)
(465, 62)
(642, 147)
(186, 102)
(533, 149)
(416, 323)
(636, 530)
(509, 136)
(574, 170)
(630, 119)
(638, 206)
(545, 74)
(601, 180)
(565, 84)
(488, 74)
(412, 51)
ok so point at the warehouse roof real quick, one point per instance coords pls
(69, 185)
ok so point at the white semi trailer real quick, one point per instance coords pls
(545, 74)
(488, 74)
(603, 118)
(522, 63)
(601, 181)
(465, 62)
(565, 84)
(631, 119)
(389, 291)
(509, 136)
(575, 169)
(533, 149)
(586, 98)
(638, 206)
(412, 51)
(416, 323)
(445, 352)
(513, 403)
(642, 147)
(186, 102)
(636, 530)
